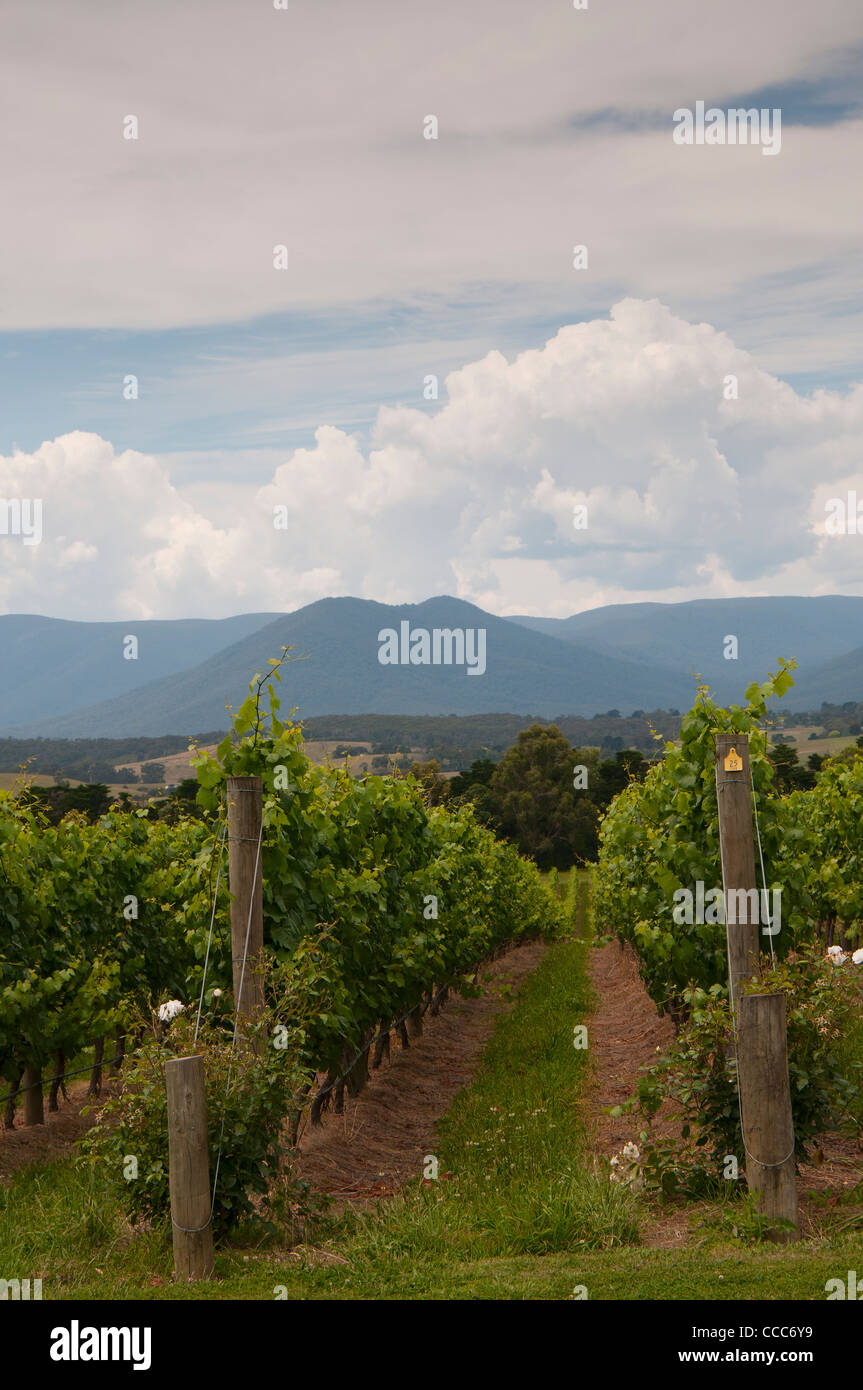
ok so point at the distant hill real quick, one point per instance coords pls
(837, 681)
(526, 671)
(49, 666)
(69, 680)
(689, 636)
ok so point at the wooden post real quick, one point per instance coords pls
(14, 1087)
(34, 1110)
(119, 1050)
(245, 802)
(95, 1087)
(734, 800)
(765, 1104)
(189, 1169)
(57, 1081)
(759, 1019)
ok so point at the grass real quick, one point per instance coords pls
(824, 745)
(514, 1143)
(519, 1210)
(10, 781)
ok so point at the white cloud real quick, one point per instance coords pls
(688, 495)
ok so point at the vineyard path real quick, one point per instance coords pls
(380, 1141)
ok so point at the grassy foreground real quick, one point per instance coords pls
(519, 1210)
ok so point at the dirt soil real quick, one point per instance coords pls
(39, 1143)
(380, 1141)
(624, 1035)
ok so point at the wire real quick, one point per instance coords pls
(766, 896)
(248, 933)
(212, 920)
(49, 1080)
(234, 1038)
(196, 1230)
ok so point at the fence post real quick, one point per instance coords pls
(765, 1105)
(759, 1019)
(34, 1108)
(189, 1169)
(245, 803)
(734, 802)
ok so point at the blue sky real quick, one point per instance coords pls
(269, 383)
(235, 386)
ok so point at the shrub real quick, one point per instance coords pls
(250, 1090)
(697, 1077)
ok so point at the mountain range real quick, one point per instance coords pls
(71, 679)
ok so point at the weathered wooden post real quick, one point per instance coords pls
(245, 806)
(759, 1019)
(34, 1109)
(189, 1169)
(734, 800)
(765, 1104)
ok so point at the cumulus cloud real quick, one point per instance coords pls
(688, 493)
(117, 538)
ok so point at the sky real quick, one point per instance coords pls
(697, 386)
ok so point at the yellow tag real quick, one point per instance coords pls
(733, 761)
